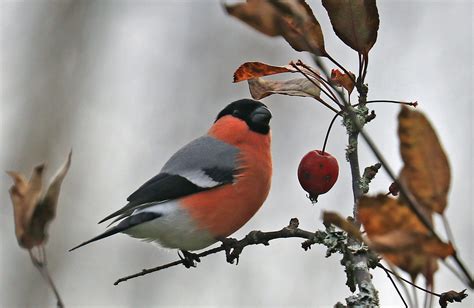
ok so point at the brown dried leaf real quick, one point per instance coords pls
(304, 31)
(258, 14)
(395, 231)
(32, 213)
(250, 70)
(291, 19)
(343, 80)
(25, 195)
(260, 88)
(402, 241)
(355, 22)
(426, 172)
(451, 296)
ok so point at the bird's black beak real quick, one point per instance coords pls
(261, 116)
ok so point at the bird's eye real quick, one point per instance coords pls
(236, 113)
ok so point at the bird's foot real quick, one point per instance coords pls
(228, 245)
(189, 259)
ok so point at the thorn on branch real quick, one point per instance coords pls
(370, 117)
(307, 245)
(371, 171)
(294, 223)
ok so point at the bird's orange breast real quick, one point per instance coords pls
(225, 209)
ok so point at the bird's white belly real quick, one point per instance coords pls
(174, 229)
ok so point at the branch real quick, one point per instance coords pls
(234, 248)
(361, 275)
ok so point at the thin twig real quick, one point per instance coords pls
(408, 281)
(454, 271)
(40, 263)
(447, 228)
(402, 284)
(395, 286)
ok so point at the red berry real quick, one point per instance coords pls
(317, 173)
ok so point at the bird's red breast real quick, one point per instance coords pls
(225, 209)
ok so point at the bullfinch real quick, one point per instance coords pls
(208, 189)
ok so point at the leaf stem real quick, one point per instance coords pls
(447, 228)
(323, 81)
(319, 86)
(325, 71)
(395, 286)
(413, 104)
(329, 130)
(366, 64)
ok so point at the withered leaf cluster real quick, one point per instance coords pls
(260, 88)
(34, 206)
(292, 19)
(355, 23)
(391, 227)
(390, 224)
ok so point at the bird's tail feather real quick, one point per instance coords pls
(125, 224)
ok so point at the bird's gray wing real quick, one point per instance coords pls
(202, 164)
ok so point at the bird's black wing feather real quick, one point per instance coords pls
(160, 188)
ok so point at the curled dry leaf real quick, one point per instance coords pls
(355, 22)
(260, 88)
(426, 171)
(250, 70)
(34, 209)
(451, 297)
(343, 80)
(394, 189)
(291, 19)
(395, 231)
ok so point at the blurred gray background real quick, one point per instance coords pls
(126, 83)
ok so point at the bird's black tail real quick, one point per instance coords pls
(125, 224)
(107, 233)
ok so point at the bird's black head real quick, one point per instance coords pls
(254, 113)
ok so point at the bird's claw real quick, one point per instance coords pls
(189, 259)
(228, 245)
